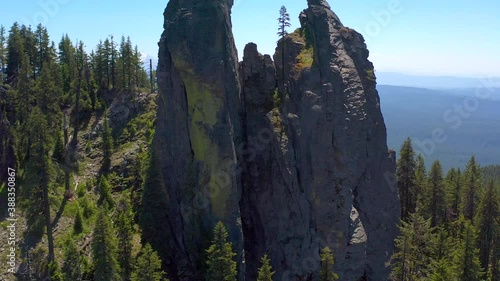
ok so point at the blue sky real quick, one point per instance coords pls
(460, 37)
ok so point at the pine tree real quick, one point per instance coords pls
(466, 261)
(105, 197)
(68, 65)
(104, 250)
(78, 226)
(125, 232)
(470, 193)
(59, 150)
(441, 271)
(148, 266)
(434, 202)
(326, 267)
(413, 250)
(154, 204)
(55, 272)
(284, 22)
(3, 54)
(71, 266)
(44, 53)
(220, 263)
(453, 184)
(420, 183)
(265, 271)
(42, 169)
(81, 62)
(495, 256)
(15, 54)
(113, 53)
(440, 244)
(487, 211)
(405, 175)
(47, 94)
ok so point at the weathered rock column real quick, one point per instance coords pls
(197, 128)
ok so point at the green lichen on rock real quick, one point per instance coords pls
(370, 74)
(203, 107)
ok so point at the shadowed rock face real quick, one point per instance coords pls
(312, 168)
(197, 126)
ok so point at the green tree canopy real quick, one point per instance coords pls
(265, 271)
(220, 255)
(148, 266)
(326, 267)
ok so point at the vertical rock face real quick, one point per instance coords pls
(322, 180)
(291, 155)
(197, 126)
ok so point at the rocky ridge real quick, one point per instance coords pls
(290, 154)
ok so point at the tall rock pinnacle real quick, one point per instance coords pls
(325, 180)
(197, 125)
(290, 154)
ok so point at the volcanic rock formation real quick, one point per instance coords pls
(290, 154)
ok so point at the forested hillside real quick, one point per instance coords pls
(272, 168)
(75, 130)
(450, 226)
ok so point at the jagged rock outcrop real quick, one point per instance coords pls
(291, 155)
(322, 182)
(198, 124)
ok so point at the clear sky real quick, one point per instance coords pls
(460, 37)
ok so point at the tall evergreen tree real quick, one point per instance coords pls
(72, 261)
(434, 203)
(495, 256)
(466, 261)
(104, 250)
(78, 226)
(470, 193)
(81, 63)
(3, 54)
(113, 53)
(55, 273)
(420, 183)
(441, 271)
(326, 266)
(413, 250)
(265, 271)
(15, 53)
(67, 60)
(487, 212)
(148, 267)
(405, 175)
(108, 62)
(43, 50)
(47, 93)
(125, 232)
(42, 168)
(453, 184)
(220, 263)
(105, 197)
(284, 22)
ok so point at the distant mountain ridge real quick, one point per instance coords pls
(435, 82)
(418, 113)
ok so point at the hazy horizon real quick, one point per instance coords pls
(410, 37)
